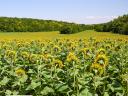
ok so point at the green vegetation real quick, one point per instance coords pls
(55, 34)
(70, 29)
(119, 25)
(36, 25)
(64, 67)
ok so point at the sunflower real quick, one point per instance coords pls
(102, 60)
(96, 66)
(47, 56)
(58, 63)
(20, 72)
(117, 48)
(25, 55)
(5, 47)
(71, 57)
(10, 54)
(56, 48)
(19, 45)
(85, 51)
(33, 58)
(108, 46)
(101, 51)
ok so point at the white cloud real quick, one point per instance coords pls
(86, 20)
(100, 17)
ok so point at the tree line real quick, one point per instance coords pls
(118, 25)
(9, 24)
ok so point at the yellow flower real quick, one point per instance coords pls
(20, 72)
(96, 66)
(102, 60)
(71, 57)
(117, 48)
(100, 63)
(86, 51)
(10, 54)
(108, 46)
(19, 45)
(58, 63)
(47, 56)
(56, 48)
(33, 58)
(25, 55)
(101, 51)
(6, 47)
(72, 47)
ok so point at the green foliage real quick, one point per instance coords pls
(67, 71)
(35, 25)
(118, 25)
(66, 30)
(70, 29)
(7, 24)
(125, 29)
(99, 28)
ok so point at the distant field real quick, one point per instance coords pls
(53, 35)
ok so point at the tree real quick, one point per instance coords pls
(125, 29)
(66, 30)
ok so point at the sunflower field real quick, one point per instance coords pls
(64, 67)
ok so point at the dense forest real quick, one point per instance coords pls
(8, 24)
(118, 25)
(37, 25)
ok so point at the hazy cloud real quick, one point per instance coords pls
(88, 19)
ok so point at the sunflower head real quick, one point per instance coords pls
(20, 72)
(33, 58)
(25, 55)
(19, 45)
(6, 47)
(96, 66)
(108, 46)
(42, 44)
(56, 48)
(72, 47)
(10, 54)
(85, 51)
(71, 57)
(58, 63)
(101, 60)
(101, 51)
(117, 48)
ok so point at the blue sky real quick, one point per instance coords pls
(78, 11)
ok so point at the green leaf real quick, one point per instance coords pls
(119, 94)
(106, 94)
(15, 92)
(82, 81)
(8, 92)
(4, 81)
(110, 87)
(47, 90)
(23, 79)
(85, 92)
(33, 85)
(62, 88)
(30, 71)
